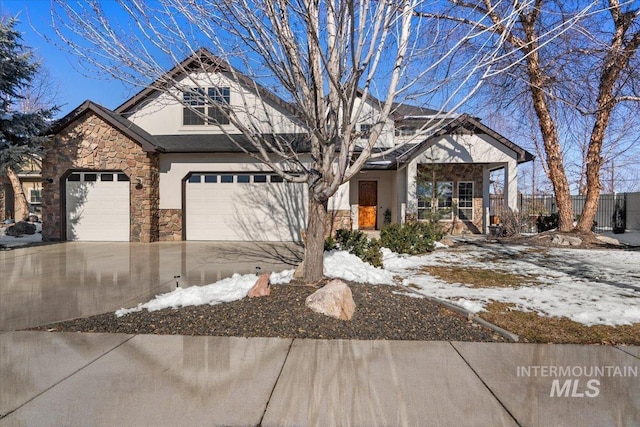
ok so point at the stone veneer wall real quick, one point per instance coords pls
(88, 144)
(337, 220)
(466, 172)
(170, 225)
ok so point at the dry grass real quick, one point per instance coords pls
(534, 328)
(479, 277)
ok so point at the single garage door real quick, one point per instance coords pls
(244, 207)
(97, 206)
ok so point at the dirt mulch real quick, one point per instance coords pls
(380, 314)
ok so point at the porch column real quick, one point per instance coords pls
(411, 190)
(486, 198)
(511, 185)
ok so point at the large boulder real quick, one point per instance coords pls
(262, 288)
(334, 299)
(20, 229)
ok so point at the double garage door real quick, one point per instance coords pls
(97, 206)
(244, 207)
(218, 206)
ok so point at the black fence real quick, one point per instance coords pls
(615, 211)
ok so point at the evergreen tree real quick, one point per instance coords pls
(21, 133)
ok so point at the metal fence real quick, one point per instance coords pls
(628, 205)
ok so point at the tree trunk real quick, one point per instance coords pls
(548, 129)
(21, 206)
(314, 244)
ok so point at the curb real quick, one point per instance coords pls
(468, 314)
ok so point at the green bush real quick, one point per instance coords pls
(356, 243)
(411, 238)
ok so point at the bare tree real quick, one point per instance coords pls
(589, 70)
(20, 127)
(327, 59)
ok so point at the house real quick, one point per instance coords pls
(153, 170)
(31, 180)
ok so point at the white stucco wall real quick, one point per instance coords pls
(162, 114)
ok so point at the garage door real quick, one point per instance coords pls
(244, 207)
(97, 206)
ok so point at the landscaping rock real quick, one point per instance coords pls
(608, 240)
(262, 288)
(20, 229)
(334, 299)
(299, 272)
(564, 240)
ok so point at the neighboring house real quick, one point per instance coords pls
(152, 170)
(31, 179)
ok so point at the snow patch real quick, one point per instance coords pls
(343, 265)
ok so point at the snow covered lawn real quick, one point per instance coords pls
(591, 287)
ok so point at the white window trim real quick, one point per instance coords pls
(472, 202)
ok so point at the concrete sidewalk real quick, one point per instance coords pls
(79, 379)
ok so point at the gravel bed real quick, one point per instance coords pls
(380, 314)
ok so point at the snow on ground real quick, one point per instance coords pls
(12, 242)
(343, 265)
(337, 264)
(226, 290)
(587, 286)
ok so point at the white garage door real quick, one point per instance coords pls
(97, 206)
(244, 207)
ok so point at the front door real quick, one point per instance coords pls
(367, 205)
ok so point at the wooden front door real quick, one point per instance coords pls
(367, 204)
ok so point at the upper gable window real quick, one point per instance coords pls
(197, 106)
(365, 130)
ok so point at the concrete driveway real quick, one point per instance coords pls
(48, 283)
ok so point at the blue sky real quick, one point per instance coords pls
(73, 83)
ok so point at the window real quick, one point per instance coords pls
(243, 179)
(226, 179)
(276, 178)
(35, 196)
(122, 177)
(194, 179)
(74, 177)
(197, 106)
(441, 202)
(365, 130)
(425, 197)
(260, 178)
(90, 177)
(465, 201)
(210, 179)
(405, 131)
(445, 198)
(106, 177)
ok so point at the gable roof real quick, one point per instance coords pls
(127, 127)
(202, 60)
(404, 154)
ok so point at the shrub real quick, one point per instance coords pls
(411, 238)
(514, 222)
(546, 223)
(356, 243)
